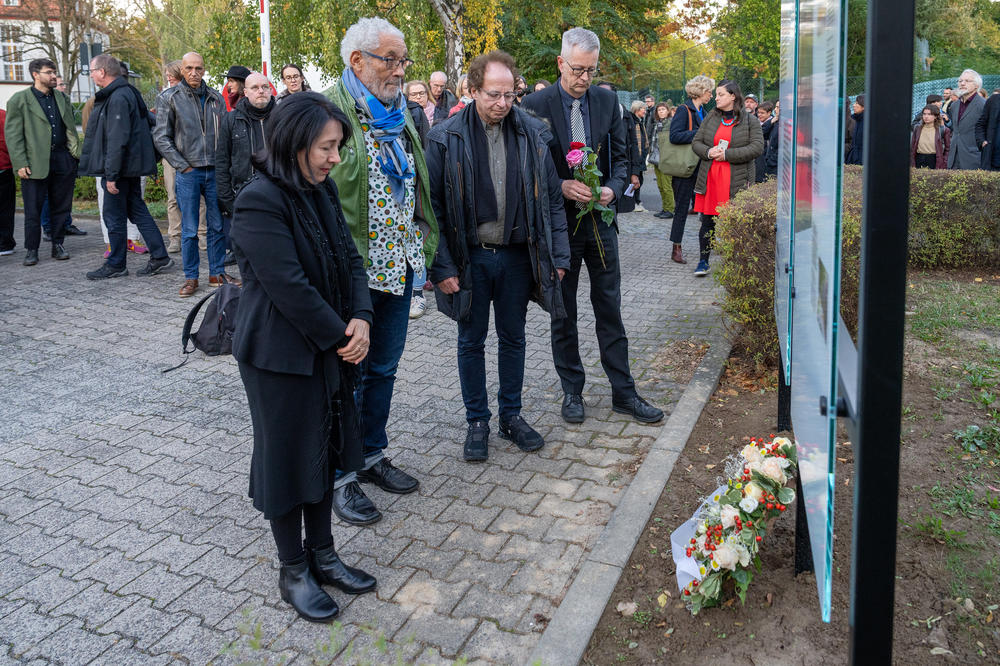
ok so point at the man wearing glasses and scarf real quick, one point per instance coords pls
(384, 191)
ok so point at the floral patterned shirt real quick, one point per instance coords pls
(394, 241)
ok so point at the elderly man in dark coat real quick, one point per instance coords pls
(505, 240)
(964, 115)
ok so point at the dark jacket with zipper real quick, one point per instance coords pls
(240, 136)
(118, 142)
(986, 130)
(745, 146)
(450, 169)
(187, 130)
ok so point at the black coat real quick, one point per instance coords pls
(637, 143)
(607, 133)
(419, 121)
(771, 152)
(240, 136)
(766, 128)
(286, 338)
(679, 132)
(451, 177)
(986, 129)
(119, 141)
(855, 154)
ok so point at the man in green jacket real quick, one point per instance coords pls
(44, 149)
(385, 196)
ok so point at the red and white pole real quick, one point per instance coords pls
(265, 38)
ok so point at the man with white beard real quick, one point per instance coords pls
(965, 114)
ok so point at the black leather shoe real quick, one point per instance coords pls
(517, 430)
(31, 257)
(477, 442)
(73, 230)
(59, 252)
(637, 408)
(389, 478)
(329, 569)
(572, 408)
(300, 588)
(353, 507)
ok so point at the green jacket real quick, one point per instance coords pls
(29, 134)
(351, 176)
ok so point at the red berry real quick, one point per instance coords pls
(694, 541)
(760, 538)
(687, 593)
(695, 583)
(749, 523)
(781, 508)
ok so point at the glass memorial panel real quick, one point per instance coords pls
(783, 249)
(816, 272)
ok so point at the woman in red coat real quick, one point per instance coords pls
(931, 141)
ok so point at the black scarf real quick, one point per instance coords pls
(321, 219)
(485, 200)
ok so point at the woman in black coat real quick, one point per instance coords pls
(301, 330)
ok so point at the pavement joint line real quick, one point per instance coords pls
(569, 631)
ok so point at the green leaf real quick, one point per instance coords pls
(734, 496)
(786, 495)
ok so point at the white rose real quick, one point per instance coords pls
(744, 554)
(729, 515)
(772, 469)
(753, 490)
(751, 453)
(726, 556)
(700, 545)
(781, 441)
(748, 504)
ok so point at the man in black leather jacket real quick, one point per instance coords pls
(241, 135)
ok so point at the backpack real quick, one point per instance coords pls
(215, 335)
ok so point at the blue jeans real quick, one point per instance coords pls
(378, 371)
(503, 277)
(189, 188)
(122, 207)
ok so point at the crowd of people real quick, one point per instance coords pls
(341, 209)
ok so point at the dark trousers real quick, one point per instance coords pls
(705, 235)
(287, 529)
(924, 161)
(7, 210)
(47, 221)
(606, 298)
(58, 187)
(503, 277)
(122, 207)
(683, 193)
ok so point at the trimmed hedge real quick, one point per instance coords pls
(954, 223)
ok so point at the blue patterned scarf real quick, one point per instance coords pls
(387, 126)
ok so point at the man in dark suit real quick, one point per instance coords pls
(988, 133)
(965, 113)
(578, 112)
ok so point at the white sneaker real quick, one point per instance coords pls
(417, 307)
(639, 208)
(4, 253)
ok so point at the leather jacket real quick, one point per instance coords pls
(187, 131)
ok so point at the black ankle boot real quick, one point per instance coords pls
(329, 569)
(300, 589)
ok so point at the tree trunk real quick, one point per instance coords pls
(450, 12)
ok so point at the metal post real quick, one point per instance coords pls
(888, 80)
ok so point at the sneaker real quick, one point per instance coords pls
(230, 259)
(4, 253)
(107, 251)
(702, 269)
(155, 266)
(417, 307)
(138, 247)
(46, 236)
(175, 246)
(105, 272)
(639, 208)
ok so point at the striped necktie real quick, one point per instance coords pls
(576, 130)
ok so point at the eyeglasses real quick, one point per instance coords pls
(390, 62)
(292, 77)
(494, 96)
(49, 72)
(580, 71)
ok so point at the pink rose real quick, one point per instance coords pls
(575, 158)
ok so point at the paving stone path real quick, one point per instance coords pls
(126, 535)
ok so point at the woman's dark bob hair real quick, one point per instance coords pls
(294, 126)
(734, 89)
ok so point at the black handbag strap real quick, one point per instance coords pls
(186, 331)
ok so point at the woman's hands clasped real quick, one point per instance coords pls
(357, 346)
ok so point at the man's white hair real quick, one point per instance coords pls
(581, 38)
(365, 35)
(976, 77)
